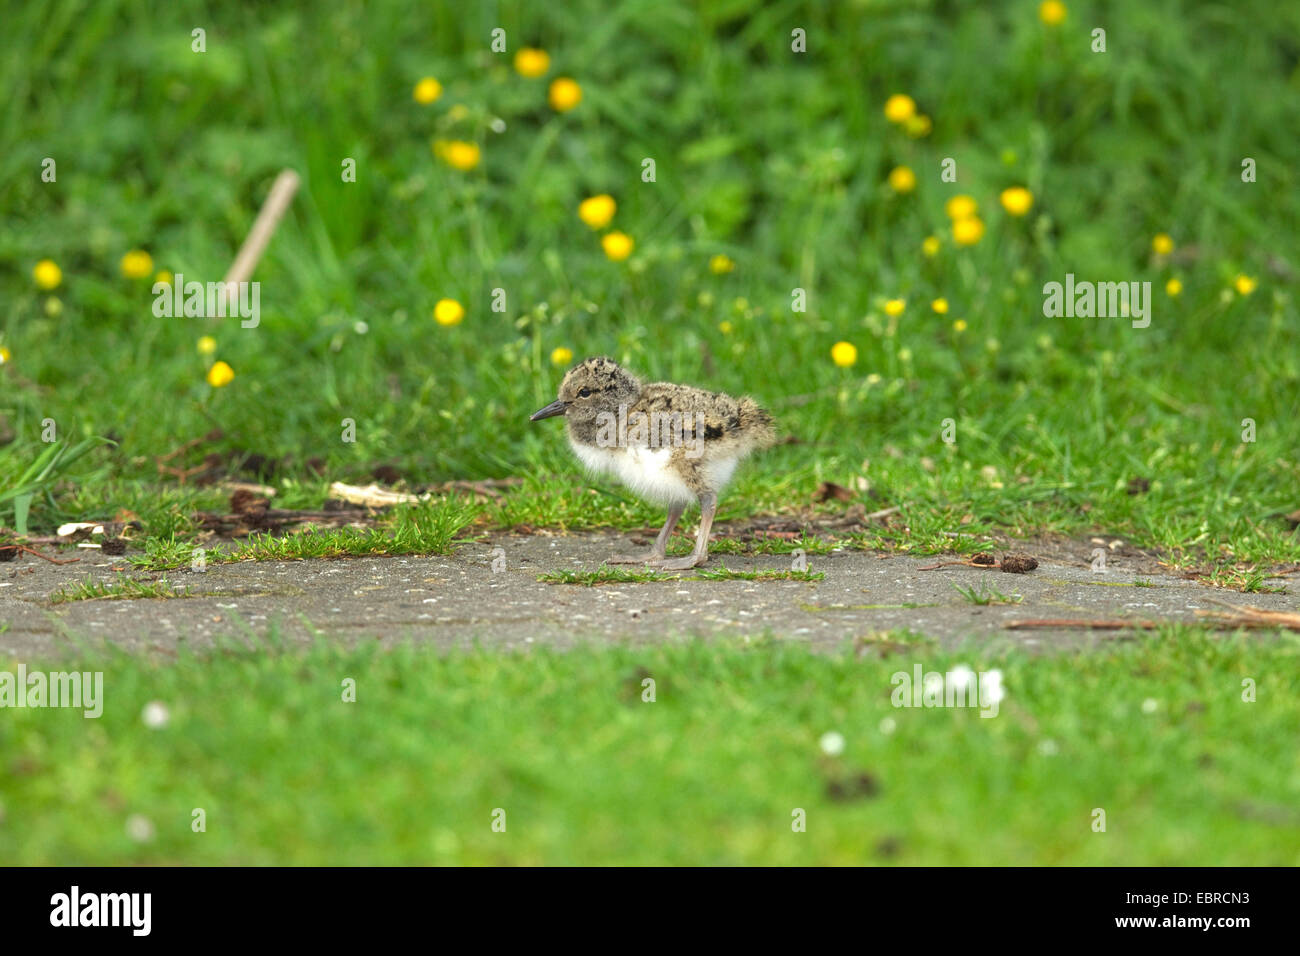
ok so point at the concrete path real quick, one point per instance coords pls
(457, 600)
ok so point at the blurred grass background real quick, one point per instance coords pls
(588, 771)
(778, 160)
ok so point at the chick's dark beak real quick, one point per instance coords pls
(556, 407)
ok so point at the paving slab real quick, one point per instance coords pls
(461, 600)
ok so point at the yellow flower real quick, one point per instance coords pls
(1017, 200)
(959, 325)
(899, 108)
(427, 90)
(918, 126)
(1051, 12)
(5, 355)
(137, 264)
(894, 307)
(1245, 285)
(930, 246)
(457, 153)
(902, 179)
(448, 312)
(458, 112)
(53, 307)
(207, 345)
(597, 211)
(564, 94)
(940, 306)
(47, 275)
(532, 62)
(561, 355)
(960, 207)
(720, 264)
(844, 354)
(164, 277)
(1162, 244)
(968, 231)
(618, 245)
(725, 327)
(1174, 287)
(220, 375)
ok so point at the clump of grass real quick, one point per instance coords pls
(726, 574)
(166, 554)
(985, 596)
(809, 544)
(604, 575)
(1246, 580)
(906, 605)
(427, 528)
(607, 575)
(121, 588)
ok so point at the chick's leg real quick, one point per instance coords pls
(660, 549)
(708, 508)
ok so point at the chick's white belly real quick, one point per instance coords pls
(647, 471)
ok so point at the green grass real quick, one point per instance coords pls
(777, 160)
(604, 575)
(431, 527)
(607, 575)
(120, 588)
(1154, 732)
(985, 596)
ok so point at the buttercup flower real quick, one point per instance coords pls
(894, 307)
(448, 312)
(1162, 244)
(930, 246)
(1244, 284)
(427, 90)
(899, 108)
(1017, 200)
(5, 355)
(1173, 287)
(918, 126)
(206, 345)
(561, 355)
(721, 264)
(844, 354)
(597, 211)
(220, 375)
(532, 62)
(137, 264)
(564, 94)
(1051, 12)
(617, 245)
(47, 275)
(968, 231)
(959, 325)
(902, 179)
(457, 153)
(164, 277)
(725, 327)
(940, 306)
(960, 207)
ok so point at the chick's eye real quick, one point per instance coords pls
(584, 393)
